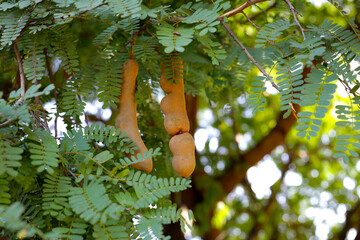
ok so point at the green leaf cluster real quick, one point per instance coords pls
(307, 73)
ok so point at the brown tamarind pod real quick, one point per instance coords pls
(173, 105)
(183, 148)
(126, 119)
(176, 121)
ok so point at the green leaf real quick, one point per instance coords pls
(44, 150)
(92, 203)
(174, 39)
(103, 157)
(125, 8)
(10, 158)
(56, 189)
(15, 22)
(110, 230)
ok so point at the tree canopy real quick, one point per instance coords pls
(272, 98)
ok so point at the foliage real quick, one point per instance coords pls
(82, 188)
(80, 184)
(77, 182)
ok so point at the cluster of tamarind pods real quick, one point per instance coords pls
(176, 122)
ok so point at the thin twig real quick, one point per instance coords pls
(298, 12)
(74, 176)
(52, 80)
(133, 44)
(7, 122)
(266, 10)
(70, 121)
(71, 173)
(22, 81)
(38, 103)
(248, 54)
(94, 160)
(88, 18)
(87, 122)
(294, 11)
(20, 66)
(125, 45)
(86, 11)
(48, 66)
(240, 9)
(132, 39)
(347, 87)
(255, 26)
(85, 115)
(243, 48)
(35, 118)
(252, 23)
(274, 85)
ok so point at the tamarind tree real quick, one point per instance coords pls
(266, 83)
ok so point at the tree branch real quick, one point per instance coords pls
(243, 48)
(7, 122)
(350, 221)
(269, 207)
(52, 80)
(275, 137)
(240, 9)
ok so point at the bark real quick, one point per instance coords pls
(352, 221)
(240, 9)
(174, 231)
(270, 205)
(276, 136)
(191, 109)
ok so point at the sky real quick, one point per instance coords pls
(318, 2)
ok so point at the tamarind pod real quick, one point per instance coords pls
(176, 119)
(183, 148)
(176, 123)
(126, 119)
(173, 105)
(165, 103)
